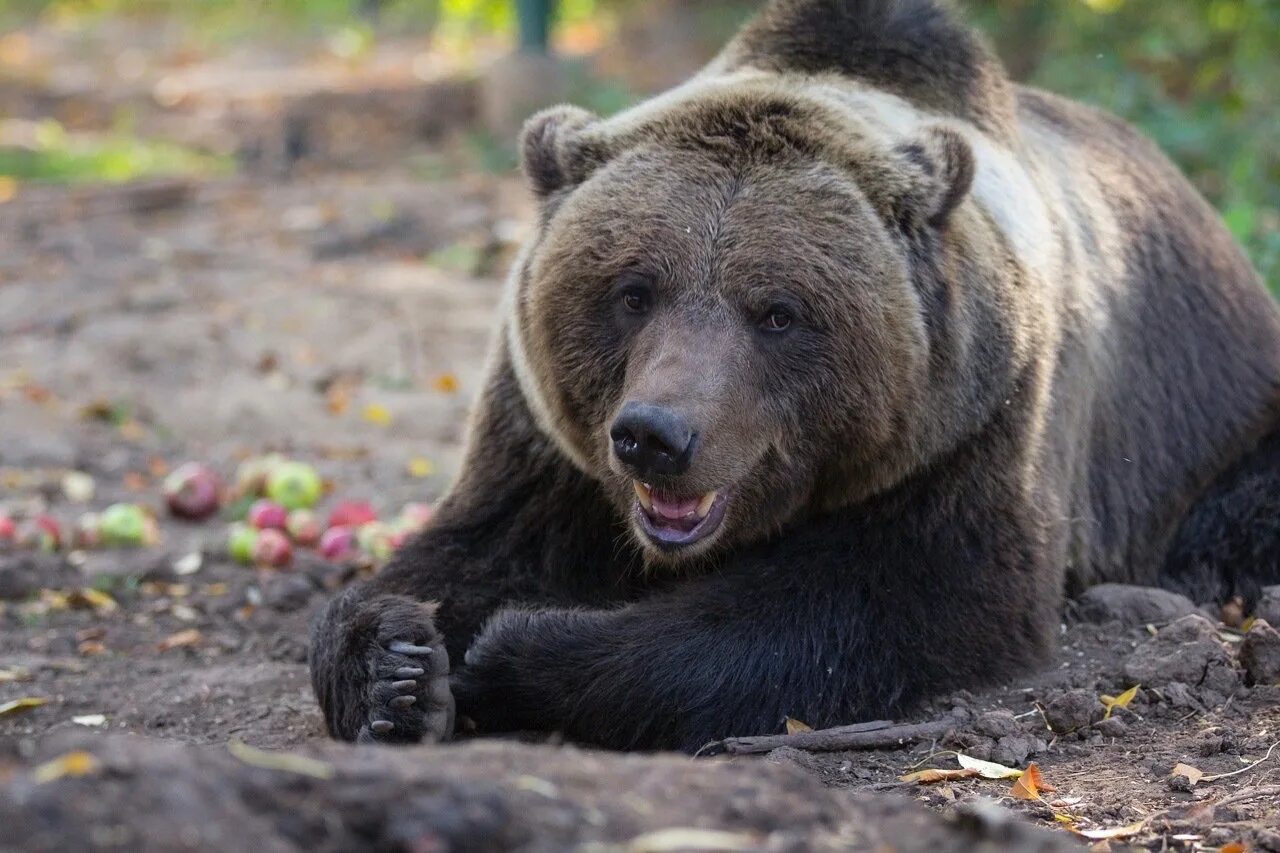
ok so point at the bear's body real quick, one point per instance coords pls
(818, 366)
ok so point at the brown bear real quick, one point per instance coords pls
(817, 367)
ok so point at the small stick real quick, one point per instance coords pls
(1217, 776)
(880, 734)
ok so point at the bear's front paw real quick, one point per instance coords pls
(384, 677)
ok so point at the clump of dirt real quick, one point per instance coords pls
(141, 794)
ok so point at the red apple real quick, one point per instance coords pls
(272, 549)
(192, 491)
(52, 530)
(268, 515)
(338, 543)
(352, 514)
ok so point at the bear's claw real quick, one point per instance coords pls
(402, 648)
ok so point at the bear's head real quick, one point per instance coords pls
(739, 310)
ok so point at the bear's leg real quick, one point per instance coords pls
(1229, 543)
(380, 651)
(803, 628)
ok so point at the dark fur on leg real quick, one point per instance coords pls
(851, 617)
(1229, 544)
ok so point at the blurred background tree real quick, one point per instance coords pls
(1202, 78)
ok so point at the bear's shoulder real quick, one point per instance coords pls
(916, 49)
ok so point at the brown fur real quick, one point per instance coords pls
(1024, 354)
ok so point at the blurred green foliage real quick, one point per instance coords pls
(1202, 77)
(118, 156)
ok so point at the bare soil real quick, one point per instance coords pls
(342, 316)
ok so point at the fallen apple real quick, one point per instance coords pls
(266, 514)
(304, 528)
(352, 514)
(338, 543)
(294, 485)
(272, 549)
(242, 539)
(127, 526)
(192, 491)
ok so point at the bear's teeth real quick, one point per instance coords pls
(643, 494)
(704, 505)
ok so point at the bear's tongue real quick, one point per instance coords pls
(672, 508)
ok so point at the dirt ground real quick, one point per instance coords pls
(341, 316)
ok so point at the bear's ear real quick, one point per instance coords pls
(554, 150)
(939, 170)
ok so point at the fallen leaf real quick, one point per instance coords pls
(378, 414)
(1030, 784)
(987, 769)
(930, 775)
(1193, 774)
(446, 383)
(1121, 701)
(71, 765)
(93, 599)
(26, 703)
(182, 639)
(287, 762)
(797, 726)
(17, 673)
(1113, 832)
(90, 720)
(420, 467)
(1064, 818)
(89, 648)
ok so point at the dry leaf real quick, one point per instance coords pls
(378, 414)
(92, 599)
(285, 761)
(182, 639)
(71, 765)
(1030, 784)
(1193, 774)
(17, 673)
(1113, 832)
(446, 383)
(987, 769)
(1121, 701)
(26, 703)
(925, 777)
(89, 648)
(420, 466)
(796, 726)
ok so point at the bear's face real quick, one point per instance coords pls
(717, 338)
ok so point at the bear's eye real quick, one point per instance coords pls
(776, 319)
(635, 298)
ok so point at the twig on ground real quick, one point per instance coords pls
(881, 734)
(1217, 776)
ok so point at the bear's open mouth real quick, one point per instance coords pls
(674, 521)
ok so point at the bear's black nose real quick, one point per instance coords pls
(652, 439)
